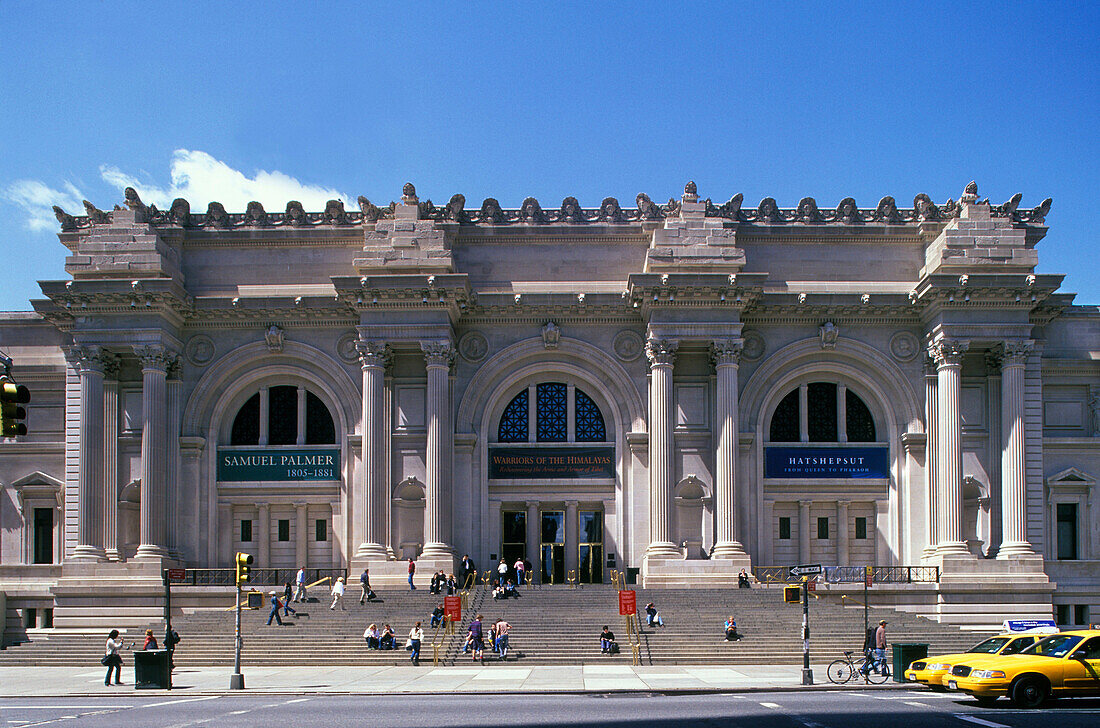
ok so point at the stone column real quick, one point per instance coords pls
(301, 533)
(726, 354)
(1013, 455)
(438, 355)
(842, 539)
(948, 354)
(172, 443)
(301, 418)
(265, 414)
(803, 531)
(661, 354)
(371, 508)
(110, 460)
(534, 545)
(263, 530)
(155, 361)
(571, 529)
(91, 361)
(932, 456)
(225, 547)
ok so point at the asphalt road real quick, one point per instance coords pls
(808, 709)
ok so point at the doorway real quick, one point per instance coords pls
(43, 535)
(513, 539)
(590, 549)
(553, 547)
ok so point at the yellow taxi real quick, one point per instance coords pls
(1061, 665)
(930, 671)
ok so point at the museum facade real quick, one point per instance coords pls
(685, 389)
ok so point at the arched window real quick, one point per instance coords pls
(829, 417)
(280, 414)
(551, 416)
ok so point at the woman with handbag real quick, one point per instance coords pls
(111, 659)
(416, 634)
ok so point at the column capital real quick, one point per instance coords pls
(531, 504)
(948, 352)
(572, 503)
(726, 352)
(155, 356)
(92, 358)
(661, 352)
(1015, 352)
(373, 353)
(438, 353)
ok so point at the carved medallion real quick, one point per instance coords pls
(199, 350)
(754, 346)
(628, 345)
(473, 346)
(904, 346)
(345, 348)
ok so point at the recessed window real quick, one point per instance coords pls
(823, 528)
(1067, 530)
(284, 529)
(784, 527)
(246, 531)
(282, 419)
(552, 416)
(321, 530)
(1080, 614)
(1062, 614)
(861, 527)
(825, 419)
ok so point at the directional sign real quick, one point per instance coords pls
(452, 607)
(807, 570)
(177, 574)
(627, 602)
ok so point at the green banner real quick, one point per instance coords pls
(278, 464)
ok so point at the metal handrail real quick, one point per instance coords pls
(258, 577)
(855, 574)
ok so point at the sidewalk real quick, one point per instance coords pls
(494, 678)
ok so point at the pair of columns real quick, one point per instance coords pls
(945, 502)
(843, 533)
(726, 355)
(97, 484)
(438, 542)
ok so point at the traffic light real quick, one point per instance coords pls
(244, 567)
(11, 396)
(792, 594)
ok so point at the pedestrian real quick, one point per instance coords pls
(300, 580)
(412, 570)
(285, 603)
(170, 641)
(337, 593)
(437, 616)
(452, 585)
(502, 571)
(607, 639)
(520, 571)
(364, 582)
(275, 607)
(465, 570)
(150, 641)
(731, 630)
(503, 628)
(477, 642)
(371, 635)
(112, 659)
(743, 580)
(416, 634)
(388, 638)
(288, 592)
(880, 647)
(652, 618)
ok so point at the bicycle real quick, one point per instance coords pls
(873, 671)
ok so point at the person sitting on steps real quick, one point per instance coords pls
(731, 630)
(607, 642)
(388, 641)
(652, 618)
(437, 616)
(743, 580)
(371, 635)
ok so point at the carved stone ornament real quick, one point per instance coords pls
(628, 345)
(1094, 411)
(408, 194)
(438, 353)
(551, 335)
(199, 350)
(1016, 353)
(334, 213)
(370, 211)
(610, 211)
(274, 337)
(904, 346)
(948, 352)
(68, 222)
(373, 353)
(754, 346)
(95, 215)
(726, 351)
(254, 214)
(94, 358)
(132, 200)
(473, 346)
(456, 208)
(829, 333)
(691, 192)
(180, 212)
(345, 348)
(155, 356)
(531, 211)
(661, 352)
(647, 209)
(808, 211)
(216, 216)
(295, 214)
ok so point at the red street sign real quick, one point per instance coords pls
(868, 578)
(811, 585)
(177, 575)
(627, 602)
(452, 607)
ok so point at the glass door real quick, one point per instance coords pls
(590, 549)
(553, 547)
(513, 539)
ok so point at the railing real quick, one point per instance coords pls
(855, 574)
(258, 577)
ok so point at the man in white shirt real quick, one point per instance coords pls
(300, 581)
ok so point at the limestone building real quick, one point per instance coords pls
(685, 389)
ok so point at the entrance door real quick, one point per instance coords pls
(513, 539)
(553, 547)
(590, 549)
(43, 535)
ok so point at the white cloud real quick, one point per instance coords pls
(200, 179)
(195, 176)
(38, 199)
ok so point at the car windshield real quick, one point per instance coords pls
(1058, 645)
(990, 647)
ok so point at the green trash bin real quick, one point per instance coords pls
(151, 669)
(904, 653)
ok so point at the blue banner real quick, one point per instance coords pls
(826, 462)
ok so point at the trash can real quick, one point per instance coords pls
(904, 653)
(151, 669)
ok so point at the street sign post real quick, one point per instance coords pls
(806, 570)
(452, 607)
(177, 575)
(627, 602)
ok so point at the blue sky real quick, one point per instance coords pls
(231, 102)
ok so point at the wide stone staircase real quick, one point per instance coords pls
(550, 626)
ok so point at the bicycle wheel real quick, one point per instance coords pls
(876, 677)
(840, 671)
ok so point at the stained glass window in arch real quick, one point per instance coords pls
(552, 422)
(823, 414)
(590, 425)
(246, 425)
(513, 423)
(785, 425)
(860, 424)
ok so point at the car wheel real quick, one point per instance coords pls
(1029, 692)
(986, 701)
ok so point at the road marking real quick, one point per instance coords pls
(181, 700)
(773, 706)
(915, 704)
(299, 700)
(239, 712)
(979, 721)
(63, 707)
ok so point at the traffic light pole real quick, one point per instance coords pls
(807, 673)
(236, 682)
